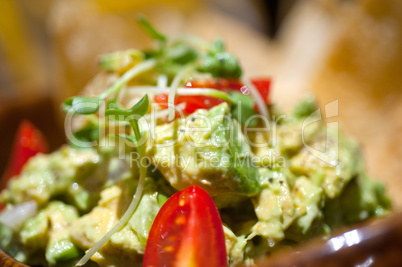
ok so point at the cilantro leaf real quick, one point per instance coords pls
(82, 105)
(148, 28)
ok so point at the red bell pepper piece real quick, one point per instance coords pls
(187, 232)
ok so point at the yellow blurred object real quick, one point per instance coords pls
(15, 42)
(124, 5)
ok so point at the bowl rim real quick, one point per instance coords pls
(8, 261)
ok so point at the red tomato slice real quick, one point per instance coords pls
(220, 84)
(192, 102)
(27, 143)
(263, 85)
(196, 102)
(206, 102)
(187, 232)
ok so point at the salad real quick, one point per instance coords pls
(175, 159)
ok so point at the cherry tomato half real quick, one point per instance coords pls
(187, 232)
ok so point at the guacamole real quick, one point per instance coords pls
(274, 181)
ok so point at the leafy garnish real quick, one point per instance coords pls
(125, 136)
(181, 54)
(172, 57)
(88, 133)
(132, 116)
(217, 47)
(119, 61)
(130, 74)
(90, 105)
(148, 28)
(221, 64)
(82, 105)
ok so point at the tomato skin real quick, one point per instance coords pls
(192, 102)
(27, 143)
(200, 102)
(187, 232)
(263, 85)
(219, 84)
(206, 102)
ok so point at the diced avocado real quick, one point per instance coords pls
(361, 199)
(309, 201)
(49, 231)
(34, 232)
(9, 241)
(60, 249)
(76, 176)
(273, 206)
(206, 149)
(335, 168)
(305, 108)
(234, 246)
(244, 109)
(128, 244)
(242, 169)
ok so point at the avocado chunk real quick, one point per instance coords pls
(49, 231)
(207, 149)
(361, 199)
(10, 242)
(126, 246)
(76, 176)
(60, 249)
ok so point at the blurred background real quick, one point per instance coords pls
(350, 50)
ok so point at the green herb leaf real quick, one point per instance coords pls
(148, 28)
(134, 113)
(221, 64)
(87, 105)
(181, 54)
(217, 47)
(118, 61)
(89, 133)
(243, 108)
(141, 108)
(130, 138)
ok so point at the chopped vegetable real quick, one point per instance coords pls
(242, 107)
(28, 142)
(132, 116)
(18, 214)
(263, 85)
(103, 196)
(187, 232)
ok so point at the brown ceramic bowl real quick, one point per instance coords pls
(7, 261)
(377, 242)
